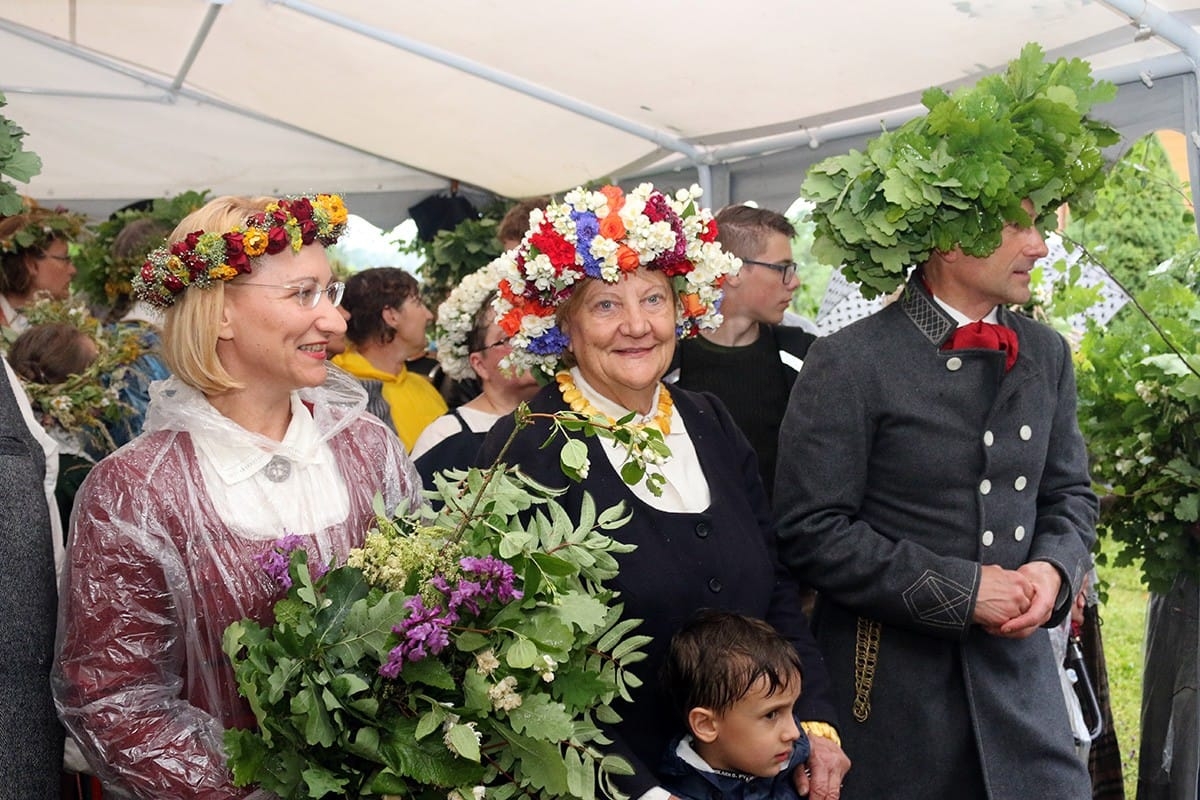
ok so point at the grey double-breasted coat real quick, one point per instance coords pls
(904, 468)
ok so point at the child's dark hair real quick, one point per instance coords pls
(717, 656)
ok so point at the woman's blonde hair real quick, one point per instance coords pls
(193, 324)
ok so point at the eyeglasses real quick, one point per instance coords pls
(307, 293)
(497, 343)
(788, 268)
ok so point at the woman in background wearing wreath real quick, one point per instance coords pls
(470, 345)
(49, 354)
(34, 259)
(596, 295)
(252, 437)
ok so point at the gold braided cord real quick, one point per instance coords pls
(866, 654)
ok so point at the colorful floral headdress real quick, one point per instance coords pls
(36, 227)
(605, 234)
(456, 320)
(203, 257)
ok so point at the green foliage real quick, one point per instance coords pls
(510, 700)
(1141, 217)
(645, 448)
(956, 176)
(84, 404)
(814, 276)
(1139, 405)
(103, 277)
(455, 254)
(15, 162)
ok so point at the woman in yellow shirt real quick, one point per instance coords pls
(386, 329)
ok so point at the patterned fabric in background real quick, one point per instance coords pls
(843, 304)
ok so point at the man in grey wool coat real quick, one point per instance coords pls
(933, 487)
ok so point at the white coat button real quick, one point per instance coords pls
(1019, 533)
(988, 536)
(953, 363)
(988, 438)
(1020, 483)
(1026, 432)
(985, 486)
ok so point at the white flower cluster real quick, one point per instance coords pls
(504, 695)
(546, 668)
(456, 319)
(486, 662)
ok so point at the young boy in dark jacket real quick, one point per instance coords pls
(733, 682)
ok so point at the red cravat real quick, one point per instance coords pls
(986, 336)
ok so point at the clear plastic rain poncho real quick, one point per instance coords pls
(161, 561)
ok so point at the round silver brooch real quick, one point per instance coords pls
(278, 469)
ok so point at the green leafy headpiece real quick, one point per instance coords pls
(956, 176)
(36, 226)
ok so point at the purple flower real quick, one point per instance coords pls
(422, 634)
(426, 631)
(587, 227)
(275, 561)
(499, 576)
(669, 261)
(550, 343)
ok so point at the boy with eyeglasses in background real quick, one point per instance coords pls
(751, 361)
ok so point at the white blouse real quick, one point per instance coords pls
(265, 496)
(686, 488)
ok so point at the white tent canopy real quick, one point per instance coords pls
(388, 102)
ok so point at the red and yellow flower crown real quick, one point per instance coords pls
(201, 258)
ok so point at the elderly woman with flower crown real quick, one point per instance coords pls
(34, 259)
(596, 295)
(252, 438)
(471, 345)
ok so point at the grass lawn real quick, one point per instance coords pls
(1123, 617)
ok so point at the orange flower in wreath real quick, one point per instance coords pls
(627, 258)
(692, 305)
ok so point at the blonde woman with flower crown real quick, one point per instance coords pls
(471, 345)
(253, 437)
(596, 294)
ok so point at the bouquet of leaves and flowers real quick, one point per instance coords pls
(1139, 410)
(465, 651)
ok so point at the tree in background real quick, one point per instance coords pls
(1141, 217)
